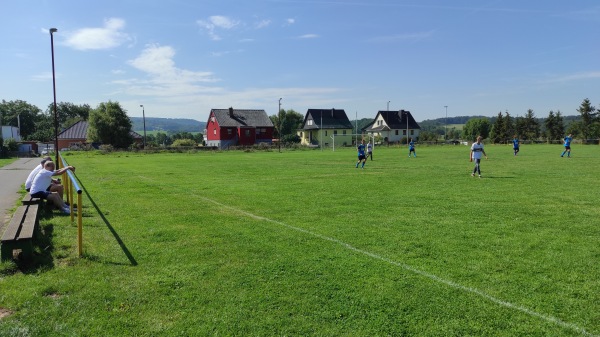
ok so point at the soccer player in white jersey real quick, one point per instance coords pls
(476, 152)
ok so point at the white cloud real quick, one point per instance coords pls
(575, 77)
(217, 22)
(406, 36)
(43, 76)
(308, 36)
(290, 21)
(263, 24)
(107, 37)
(164, 78)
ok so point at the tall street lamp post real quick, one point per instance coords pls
(52, 31)
(387, 116)
(279, 114)
(446, 126)
(144, 119)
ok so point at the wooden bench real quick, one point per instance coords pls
(28, 200)
(20, 232)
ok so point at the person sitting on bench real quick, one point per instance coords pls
(43, 180)
(54, 187)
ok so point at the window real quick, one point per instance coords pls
(335, 132)
(325, 133)
(396, 132)
(229, 131)
(247, 132)
(309, 122)
(344, 133)
(404, 132)
(214, 131)
(412, 132)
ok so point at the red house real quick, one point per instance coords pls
(233, 127)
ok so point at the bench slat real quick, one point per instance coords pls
(14, 225)
(28, 200)
(29, 223)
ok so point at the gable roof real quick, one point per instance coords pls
(327, 119)
(75, 131)
(393, 120)
(242, 117)
(79, 131)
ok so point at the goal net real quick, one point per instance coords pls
(351, 140)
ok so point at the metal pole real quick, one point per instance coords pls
(446, 126)
(54, 30)
(144, 119)
(387, 116)
(279, 114)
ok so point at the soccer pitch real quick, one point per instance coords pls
(303, 243)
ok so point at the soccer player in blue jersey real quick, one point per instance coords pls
(476, 152)
(361, 154)
(411, 148)
(515, 144)
(567, 144)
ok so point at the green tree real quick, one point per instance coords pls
(109, 124)
(498, 132)
(476, 127)
(44, 129)
(162, 139)
(69, 113)
(528, 127)
(290, 122)
(15, 113)
(588, 126)
(554, 126)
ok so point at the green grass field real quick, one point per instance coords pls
(301, 243)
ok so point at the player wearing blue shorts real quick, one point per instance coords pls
(567, 144)
(515, 144)
(411, 148)
(361, 154)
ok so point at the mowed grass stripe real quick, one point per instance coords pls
(525, 234)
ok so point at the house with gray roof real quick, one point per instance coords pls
(326, 127)
(238, 127)
(392, 126)
(75, 136)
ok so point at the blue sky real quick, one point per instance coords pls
(181, 58)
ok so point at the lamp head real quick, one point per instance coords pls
(53, 30)
(141, 105)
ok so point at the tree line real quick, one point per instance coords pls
(108, 123)
(505, 127)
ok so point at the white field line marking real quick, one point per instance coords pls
(433, 277)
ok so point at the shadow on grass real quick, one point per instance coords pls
(110, 227)
(42, 252)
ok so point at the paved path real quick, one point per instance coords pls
(12, 176)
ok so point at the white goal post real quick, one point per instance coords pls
(356, 138)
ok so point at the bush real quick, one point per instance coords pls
(184, 142)
(106, 148)
(11, 145)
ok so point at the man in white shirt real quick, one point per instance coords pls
(41, 182)
(476, 152)
(33, 173)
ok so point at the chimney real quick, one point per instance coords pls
(332, 110)
(231, 112)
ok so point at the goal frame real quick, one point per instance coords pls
(355, 136)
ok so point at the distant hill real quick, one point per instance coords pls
(168, 125)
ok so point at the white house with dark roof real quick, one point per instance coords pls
(323, 126)
(392, 126)
(238, 127)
